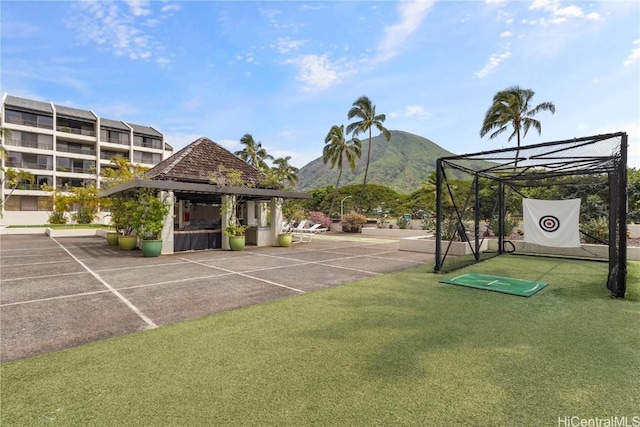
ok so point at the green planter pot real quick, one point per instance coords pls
(285, 240)
(127, 243)
(236, 243)
(112, 238)
(151, 248)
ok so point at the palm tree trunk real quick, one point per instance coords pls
(335, 193)
(366, 172)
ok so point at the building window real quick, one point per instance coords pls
(114, 136)
(28, 119)
(147, 142)
(148, 158)
(28, 203)
(74, 147)
(64, 164)
(65, 183)
(29, 140)
(29, 161)
(108, 155)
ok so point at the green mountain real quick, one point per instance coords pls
(402, 164)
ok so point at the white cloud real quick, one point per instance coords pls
(285, 45)
(138, 7)
(559, 15)
(494, 60)
(118, 27)
(505, 34)
(547, 5)
(411, 16)
(594, 16)
(412, 112)
(569, 12)
(172, 7)
(634, 56)
(316, 72)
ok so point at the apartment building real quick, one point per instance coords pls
(65, 147)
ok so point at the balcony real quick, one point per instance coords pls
(19, 142)
(114, 140)
(22, 186)
(36, 123)
(29, 165)
(87, 170)
(76, 131)
(108, 155)
(86, 150)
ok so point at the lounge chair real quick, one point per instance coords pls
(299, 227)
(315, 229)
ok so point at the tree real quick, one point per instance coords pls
(336, 150)
(253, 153)
(365, 111)
(284, 172)
(511, 107)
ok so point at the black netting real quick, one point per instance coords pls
(479, 201)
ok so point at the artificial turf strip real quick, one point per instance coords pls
(397, 349)
(505, 285)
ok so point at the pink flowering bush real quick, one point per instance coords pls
(320, 218)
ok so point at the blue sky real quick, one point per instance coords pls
(287, 71)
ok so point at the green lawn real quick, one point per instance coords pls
(398, 349)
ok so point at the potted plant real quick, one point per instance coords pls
(353, 222)
(152, 211)
(124, 208)
(236, 234)
(289, 214)
(123, 217)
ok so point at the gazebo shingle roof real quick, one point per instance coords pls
(198, 161)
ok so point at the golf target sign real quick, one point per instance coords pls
(552, 223)
(549, 223)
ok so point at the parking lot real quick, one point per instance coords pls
(60, 292)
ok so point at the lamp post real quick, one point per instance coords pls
(342, 206)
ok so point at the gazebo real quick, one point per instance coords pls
(193, 181)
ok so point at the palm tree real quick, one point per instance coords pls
(364, 110)
(336, 149)
(285, 172)
(511, 107)
(253, 153)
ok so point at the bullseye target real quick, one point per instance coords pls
(549, 223)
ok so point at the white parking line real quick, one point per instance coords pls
(245, 275)
(111, 288)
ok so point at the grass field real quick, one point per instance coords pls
(397, 349)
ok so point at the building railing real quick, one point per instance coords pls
(114, 140)
(29, 165)
(109, 155)
(75, 170)
(28, 144)
(87, 151)
(35, 124)
(24, 186)
(144, 144)
(75, 131)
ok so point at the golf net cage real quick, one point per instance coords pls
(479, 201)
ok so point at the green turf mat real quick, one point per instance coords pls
(506, 285)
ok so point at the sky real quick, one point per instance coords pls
(286, 71)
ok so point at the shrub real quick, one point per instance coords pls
(596, 230)
(403, 223)
(353, 221)
(428, 223)
(320, 218)
(510, 222)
